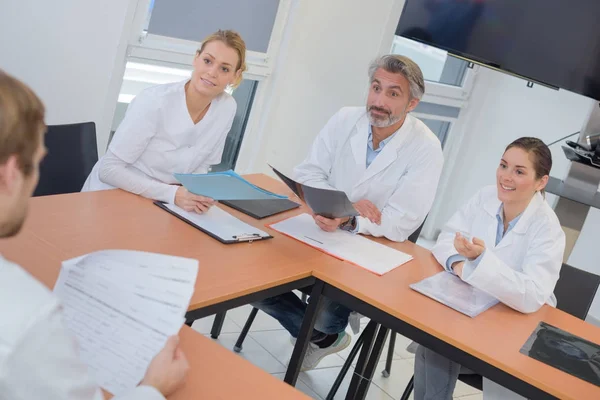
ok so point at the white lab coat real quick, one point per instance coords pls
(522, 270)
(401, 181)
(38, 356)
(158, 138)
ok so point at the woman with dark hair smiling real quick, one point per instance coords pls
(515, 255)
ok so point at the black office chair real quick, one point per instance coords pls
(574, 291)
(72, 153)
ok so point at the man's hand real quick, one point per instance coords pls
(327, 224)
(167, 370)
(192, 202)
(467, 249)
(368, 210)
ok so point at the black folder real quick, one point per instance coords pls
(564, 351)
(260, 209)
(325, 202)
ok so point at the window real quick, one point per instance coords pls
(439, 128)
(436, 64)
(166, 38)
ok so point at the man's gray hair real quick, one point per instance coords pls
(395, 63)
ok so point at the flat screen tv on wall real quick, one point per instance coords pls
(555, 42)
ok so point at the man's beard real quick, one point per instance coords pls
(11, 228)
(383, 122)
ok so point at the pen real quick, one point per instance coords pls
(314, 240)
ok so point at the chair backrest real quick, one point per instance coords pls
(575, 291)
(72, 153)
(415, 235)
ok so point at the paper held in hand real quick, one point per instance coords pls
(122, 306)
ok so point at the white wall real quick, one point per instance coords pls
(327, 47)
(500, 109)
(71, 53)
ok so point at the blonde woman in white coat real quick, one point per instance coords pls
(515, 254)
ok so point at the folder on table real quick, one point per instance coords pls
(260, 209)
(325, 202)
(452, 291)
(343, 245)
(225, 185)
(218, 224)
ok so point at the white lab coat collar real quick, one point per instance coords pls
(520, 228)
(388, 154)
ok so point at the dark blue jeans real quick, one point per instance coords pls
(289, 310)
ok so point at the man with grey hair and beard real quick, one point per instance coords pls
(388, 163)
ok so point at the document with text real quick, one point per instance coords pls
(122, 306)
(347, 246)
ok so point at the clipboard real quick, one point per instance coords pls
(218, 224)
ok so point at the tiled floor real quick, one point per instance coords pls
(268, 346)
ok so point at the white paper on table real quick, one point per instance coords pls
(452, 291)
(219, 223)
(118, 331)
(356, 249)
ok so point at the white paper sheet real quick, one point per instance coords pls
(119, 330)
(450, 290)
(353, 248)
(219, 223)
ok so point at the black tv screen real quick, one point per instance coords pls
(556, 42)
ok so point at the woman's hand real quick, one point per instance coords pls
(468, 249)
(457, 267)
(192, 202)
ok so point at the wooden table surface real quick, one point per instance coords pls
(495, 336)
(66, 226)
(61, 227)
(218, 374)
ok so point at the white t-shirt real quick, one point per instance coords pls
(158, 138)
(38, 356)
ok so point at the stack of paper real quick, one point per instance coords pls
(122, 306)
(356, 249)
(450, 290)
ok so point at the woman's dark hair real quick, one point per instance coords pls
(542, 162)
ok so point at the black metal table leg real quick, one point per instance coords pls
(240, 341)
(217, 325)
(369, 370)
(409, 389)
(390, 356)
(369, 333)
(308, 323)
(347, 364)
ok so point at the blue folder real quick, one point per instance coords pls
(226, 185)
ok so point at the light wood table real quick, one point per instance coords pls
(61, 227)
(488, 344)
